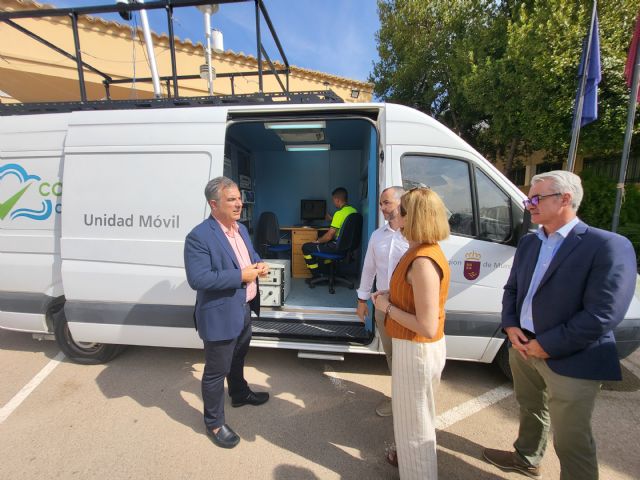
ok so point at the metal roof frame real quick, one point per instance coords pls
(173, 96)
(319, 96)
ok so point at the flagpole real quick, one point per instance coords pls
(631, 115)
(577, 118)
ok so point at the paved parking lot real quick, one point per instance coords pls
(140, 417)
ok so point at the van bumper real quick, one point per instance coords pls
(26, 311)
(627, 337)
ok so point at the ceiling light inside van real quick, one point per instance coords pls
(317, 147)
(295, 125)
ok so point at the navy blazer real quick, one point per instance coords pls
(582, 297)
(213, 270)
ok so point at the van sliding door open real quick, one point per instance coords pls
(287, 168)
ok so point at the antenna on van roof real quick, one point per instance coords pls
(148, 42)
(207, 11)
(172, 98)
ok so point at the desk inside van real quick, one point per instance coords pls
(300, 236)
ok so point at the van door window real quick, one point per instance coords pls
(450, 179)
(494, 210)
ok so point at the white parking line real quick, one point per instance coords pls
(29, 387)
(468, 408)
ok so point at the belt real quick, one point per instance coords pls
(528, 334)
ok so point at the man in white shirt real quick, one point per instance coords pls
(385, 248)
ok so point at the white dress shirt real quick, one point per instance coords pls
(386, 247)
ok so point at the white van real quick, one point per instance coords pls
(96, 206)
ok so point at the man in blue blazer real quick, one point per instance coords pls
(223, 267)
(570, 285)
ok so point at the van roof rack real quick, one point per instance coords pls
(173, 99)
(323, 96)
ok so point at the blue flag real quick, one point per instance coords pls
(590, 105)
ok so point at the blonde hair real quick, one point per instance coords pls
(426, 216)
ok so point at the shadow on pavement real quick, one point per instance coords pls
(314, 411)
(456, 467)
(291, 472)
(629, 383)
(24, 342)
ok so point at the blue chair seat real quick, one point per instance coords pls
(329, 256)
(279, 248)
(346, 244)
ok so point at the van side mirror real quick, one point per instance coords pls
(521, 222)
(526, 223)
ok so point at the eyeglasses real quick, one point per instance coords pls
(535, 200)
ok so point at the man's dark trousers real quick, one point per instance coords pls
(224, 358)
(312, 247)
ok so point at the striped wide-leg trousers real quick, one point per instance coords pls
(417, 368)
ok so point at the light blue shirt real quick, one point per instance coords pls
(550, 245)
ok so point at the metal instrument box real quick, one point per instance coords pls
(275, 287)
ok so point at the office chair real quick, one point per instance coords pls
(268, 235)
(348, 243)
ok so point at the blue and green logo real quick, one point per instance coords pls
(9, 207)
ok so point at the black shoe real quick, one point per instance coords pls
(510, 461)
(225, 438)
(253, 398)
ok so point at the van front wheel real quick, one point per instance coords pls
(82, 352)
(502, 360)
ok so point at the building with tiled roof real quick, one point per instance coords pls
(32, 72)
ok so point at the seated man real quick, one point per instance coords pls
(327, 242)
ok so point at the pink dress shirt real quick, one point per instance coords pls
(242, 254)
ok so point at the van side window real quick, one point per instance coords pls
(494, 210)
(450, 179)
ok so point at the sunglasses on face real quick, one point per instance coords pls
(535, 200)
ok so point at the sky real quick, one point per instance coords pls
(331, 36)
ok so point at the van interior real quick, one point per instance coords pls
(287, 167)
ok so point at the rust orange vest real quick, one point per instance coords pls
(401, 292)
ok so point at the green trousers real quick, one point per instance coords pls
(565, 403)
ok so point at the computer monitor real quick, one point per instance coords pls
(311, 210)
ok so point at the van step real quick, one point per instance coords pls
(321, 356)
(311, 330)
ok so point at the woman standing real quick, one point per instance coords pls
(414, 308)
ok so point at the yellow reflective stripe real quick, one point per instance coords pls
(307, 257)
(312, 266)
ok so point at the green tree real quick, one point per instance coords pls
(424, 58)
(503, 74)
(598, 204)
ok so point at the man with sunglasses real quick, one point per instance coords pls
(570, 285)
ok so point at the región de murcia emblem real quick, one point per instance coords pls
(471, 265)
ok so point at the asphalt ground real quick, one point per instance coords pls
(139, 417)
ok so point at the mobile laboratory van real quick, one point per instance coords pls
(96, 206)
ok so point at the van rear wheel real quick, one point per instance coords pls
(82, 352)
